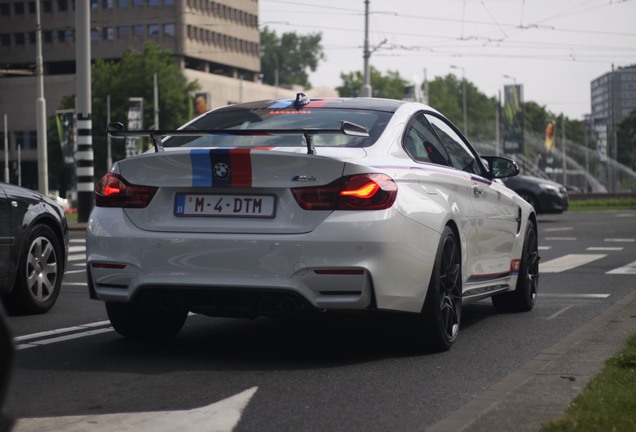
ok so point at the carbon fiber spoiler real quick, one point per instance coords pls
(117, 130)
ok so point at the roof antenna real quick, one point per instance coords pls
(301, 100)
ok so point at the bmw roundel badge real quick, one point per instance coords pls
(221, 170)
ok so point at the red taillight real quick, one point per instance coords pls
(113, 191)
(357, 192)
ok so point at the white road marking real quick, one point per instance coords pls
(77, 248)
(77, 241)
(556, 314)
(593, 248)
(560, 238)
(554, 295)
(628, 269)
(568, 262)
(545, 247)
(620, 240)
(74, 283)
(75, 271)
(222, 416)
(77, 257)
(558, 229)
(62, 330)
(626, 215)
(62, 338)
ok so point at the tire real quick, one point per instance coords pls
(524, 297)
(40, 272)
(134, 321)
(441, 314)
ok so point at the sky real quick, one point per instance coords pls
(554, 48)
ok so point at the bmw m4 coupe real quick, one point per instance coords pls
(296, 206)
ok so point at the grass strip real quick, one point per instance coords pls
(608, 401)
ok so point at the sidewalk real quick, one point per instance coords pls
(541, 389)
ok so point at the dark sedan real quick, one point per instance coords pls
(544, 195)
(33, 249)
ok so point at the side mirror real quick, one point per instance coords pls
(500, 167)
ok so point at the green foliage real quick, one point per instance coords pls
(608, 402)
(389, 86)
(291, 56)
(602, 204)
(446, 96)
(626, 135)
(133, 77)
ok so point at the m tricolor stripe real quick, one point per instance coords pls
(221, 167)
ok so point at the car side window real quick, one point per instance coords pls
(421, 142)
(460, 156)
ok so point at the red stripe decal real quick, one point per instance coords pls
(241, 167)
(317, 103)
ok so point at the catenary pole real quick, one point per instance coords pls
(84, 153)
(40, 109)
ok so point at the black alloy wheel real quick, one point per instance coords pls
(524, 297)
(443, 307)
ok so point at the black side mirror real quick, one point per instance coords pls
(500, 167)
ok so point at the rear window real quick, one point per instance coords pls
(233, 118)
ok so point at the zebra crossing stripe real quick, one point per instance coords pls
(568, 262)
(628, 269)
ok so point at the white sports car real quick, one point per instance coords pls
(287, 207)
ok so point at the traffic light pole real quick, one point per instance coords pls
(84, 153)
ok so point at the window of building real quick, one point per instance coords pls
(47, 6)
(109, 33)
(94, 34)
(32, 38)
(19, 38)
(31, 6)
(5, 10)
(18, 8)
(153, 30)
(122, 4)
(5, 39)
(122, 33)
(138, 31)
(62, 5)
(107, 4)
(138, 3)
(168, 30)
(94, 4)
(61, 36)
(47, 36)
(168, 2)
(153, 3)
(26, 140)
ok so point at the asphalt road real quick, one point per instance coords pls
(334, 374)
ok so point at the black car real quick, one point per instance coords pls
(544, 195)
(33, 250)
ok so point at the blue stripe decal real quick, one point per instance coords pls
(281, 104)
(201, 168)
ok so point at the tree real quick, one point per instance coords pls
(286, 59)
(389, 86)
(133, 77)
(445, 95)
(626, 134)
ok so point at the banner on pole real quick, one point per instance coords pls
(513, 119)
(66, 132)
(134, 146)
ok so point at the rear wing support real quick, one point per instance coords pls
(117, 130)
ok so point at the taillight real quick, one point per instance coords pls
(357, 192)
(113, 191)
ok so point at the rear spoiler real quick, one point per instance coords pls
(116, 130)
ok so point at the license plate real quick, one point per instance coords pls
(262, 206)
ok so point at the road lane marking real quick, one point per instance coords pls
(620, 240)
(556, 314)
(77, 248)
(52, 336)
(75, 271)
(568, 262)
(62, 338)
(558, 229)
(628, 269)
(593, 248)
(554, 295)
(221, 416)
(545, 247)
(560, 238)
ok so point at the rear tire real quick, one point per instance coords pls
(135, 321)
(441, 314)
(524, 297)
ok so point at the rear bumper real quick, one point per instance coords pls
(346, 264)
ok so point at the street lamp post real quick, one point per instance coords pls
(464, 109)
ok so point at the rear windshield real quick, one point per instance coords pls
(288, 118)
